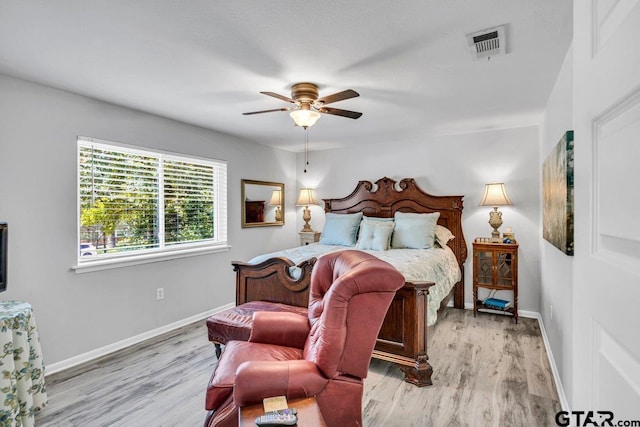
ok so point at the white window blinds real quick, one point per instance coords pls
(135, 201)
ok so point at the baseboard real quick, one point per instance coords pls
(554, 369)
(119, 345)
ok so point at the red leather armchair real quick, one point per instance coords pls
(325, 355)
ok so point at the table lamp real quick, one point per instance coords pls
(276, 200)
(305, 199)
(495, 195)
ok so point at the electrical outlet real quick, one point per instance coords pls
(160, 293)
(550, 312)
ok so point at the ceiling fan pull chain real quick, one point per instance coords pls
(306, 148)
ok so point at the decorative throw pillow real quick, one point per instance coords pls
(375, 235)
(374, 219)
(414, 230)
(443, 236)
(341, 229)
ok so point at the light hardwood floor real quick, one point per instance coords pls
(488, 371)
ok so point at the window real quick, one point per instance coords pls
(136, 202)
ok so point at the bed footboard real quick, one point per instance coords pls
(403, 336)
(271, 281)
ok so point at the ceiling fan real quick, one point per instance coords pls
(308, 106)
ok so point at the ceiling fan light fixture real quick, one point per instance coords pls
(308, 106)
(305, 118)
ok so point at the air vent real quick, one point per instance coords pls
(487, 43)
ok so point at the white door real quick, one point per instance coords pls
(606, 287)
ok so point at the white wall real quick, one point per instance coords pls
(78, 313)
(556, 267)
(448, 165)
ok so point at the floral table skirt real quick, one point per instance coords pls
(22, 389)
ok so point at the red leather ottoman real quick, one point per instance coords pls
(235, 323)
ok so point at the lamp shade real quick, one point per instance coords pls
(276, 198)
(495, 195)
(305, 118)
(306, 197)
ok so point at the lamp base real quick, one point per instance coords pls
(306, 216)
(495, 221)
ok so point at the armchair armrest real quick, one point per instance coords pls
(286, 329)
(291, 378)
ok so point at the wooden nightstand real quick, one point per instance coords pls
(307, 237)
(495, 267)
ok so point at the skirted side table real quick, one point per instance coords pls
(22, 389)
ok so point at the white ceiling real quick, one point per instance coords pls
(204, 62)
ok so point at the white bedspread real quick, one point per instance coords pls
(433, 265)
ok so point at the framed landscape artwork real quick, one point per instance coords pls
(557, 195)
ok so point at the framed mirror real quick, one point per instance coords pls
(262, 203)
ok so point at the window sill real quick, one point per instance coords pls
(106, 264)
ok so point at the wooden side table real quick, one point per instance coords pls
(308, 413)
(495, 267)
(307, 237)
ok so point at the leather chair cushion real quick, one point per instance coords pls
(349, 297)
(288, 329)
(235, 323)
(235, 353)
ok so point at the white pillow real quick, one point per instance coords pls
(414, 230)
(375, 235)
(443, 236)
(341, 229)
(374, 219)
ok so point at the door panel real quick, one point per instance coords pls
(606, 287)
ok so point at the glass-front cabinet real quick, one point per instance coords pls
(495, 269)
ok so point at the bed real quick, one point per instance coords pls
(284, 277)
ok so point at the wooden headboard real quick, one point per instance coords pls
(385, 200)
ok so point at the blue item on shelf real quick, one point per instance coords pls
(499, 304)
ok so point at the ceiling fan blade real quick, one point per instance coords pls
(277, 95)
(340, 96)
(266, 111)
(339, 112)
